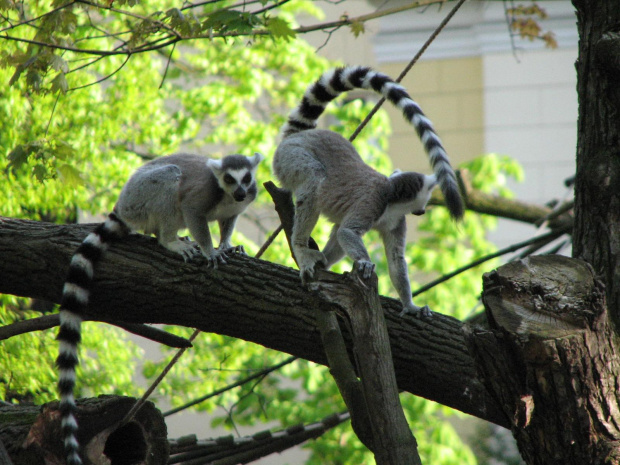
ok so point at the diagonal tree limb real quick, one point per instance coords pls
(50, 321)
(339, 363)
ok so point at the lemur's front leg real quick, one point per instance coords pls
(227, 227)
(394, 242)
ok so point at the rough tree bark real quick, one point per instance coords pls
(372, 399)
(258, 301)
(392, 440)
(597, 196)
(550, 361)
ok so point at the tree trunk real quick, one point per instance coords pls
(550, 360)
(31, 435)
(597, 195)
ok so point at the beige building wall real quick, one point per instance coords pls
(450, 93)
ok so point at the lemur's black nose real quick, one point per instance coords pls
(418, 212)
(239, 194)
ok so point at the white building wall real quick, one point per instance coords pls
(530, 113)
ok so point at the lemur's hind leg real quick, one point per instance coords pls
(333, 251)
(349, 236)
(306, 215)
(167, 237)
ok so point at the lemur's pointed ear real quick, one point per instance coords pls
(215, 165)
(257, 158)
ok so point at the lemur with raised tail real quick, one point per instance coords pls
(327, 176)
(161, 197)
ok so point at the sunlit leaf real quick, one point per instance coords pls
(69, 175)
(280, 28)
(58, 63)
(59, 83)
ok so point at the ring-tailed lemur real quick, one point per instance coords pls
(161, 197)
(327, 176)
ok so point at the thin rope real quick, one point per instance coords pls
(138, 405)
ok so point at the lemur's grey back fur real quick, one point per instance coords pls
(337, 81)
(161, 197)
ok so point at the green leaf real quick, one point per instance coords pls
(18, 156)
(69, 175)
(357, 28)
(40, 173)
(230, 20)
(63, 150)
(58, 63)
(59, 83)
(280, 28)
(19, 69)
(34, 79)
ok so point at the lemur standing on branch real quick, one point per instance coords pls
(327, 176)
(161, 197)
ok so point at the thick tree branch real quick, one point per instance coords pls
(338, 358)
(495, 205)
(140, 282)
(392, 440)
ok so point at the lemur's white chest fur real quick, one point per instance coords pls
(228, 207)
(392, 216)
(417, 206)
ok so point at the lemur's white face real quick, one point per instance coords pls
(237, 182)
(236, 174)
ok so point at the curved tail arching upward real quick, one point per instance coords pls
(339, 80)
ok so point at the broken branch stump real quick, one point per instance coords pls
(31, 434)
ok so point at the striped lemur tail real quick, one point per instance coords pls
(73, 307)
(339, 80)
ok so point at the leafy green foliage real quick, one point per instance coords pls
(69, 142)
(27, 361)
(280, 28)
